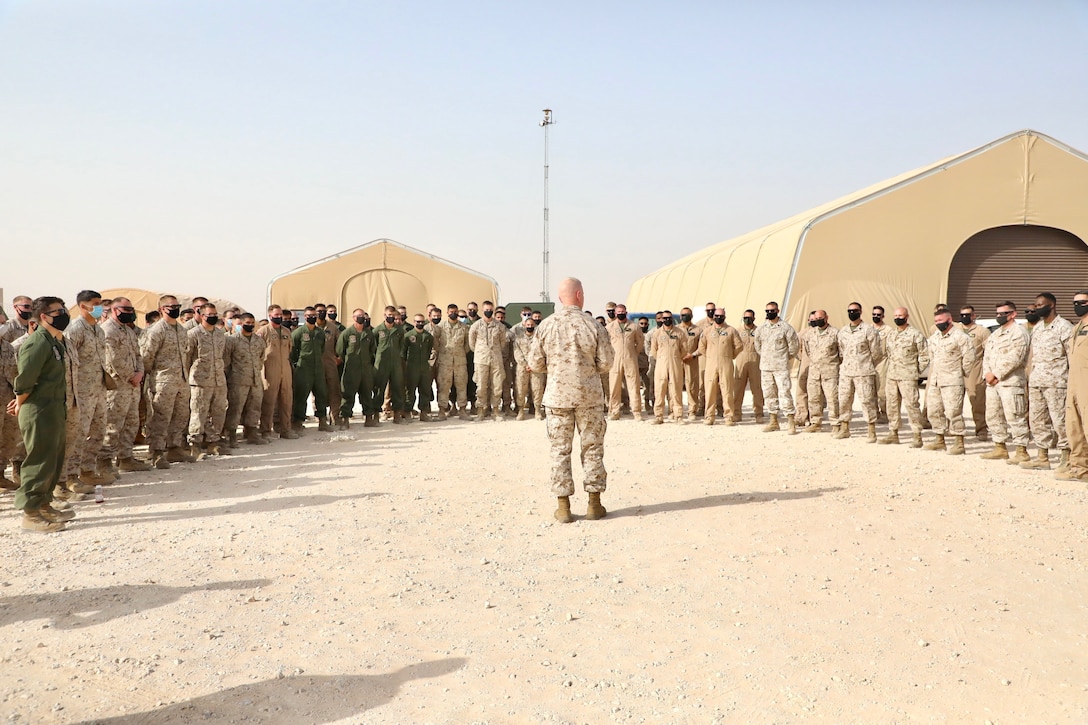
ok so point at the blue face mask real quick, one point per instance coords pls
(96, 312)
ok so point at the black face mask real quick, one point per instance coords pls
(1043, 311)
(943, 326)
(489, 313)
(24, 314)
(611, 314)
(1033, 316)
(60, 322)
(772, 314)
(529, 330)
(322, 314)
(666, 321)
(877, 319)
(685, 318)
(622, 316)
(248, 328)
(719, 319)
(1080, 308)
(289, 322)
(749, 320)
(390, 319)
(710, 313)
(1001, 318)
(644, 328)
(211, 319)
(452, 316)
(366, 322)
(419, 325)
(436, 320)
(276, 320)
(900, 321)
(174, 314)
(815, 323)
(126, 318)
(965, 319)
(473, 314)
(332, 316)
(854, 315)
(360, 320)
(311, 319)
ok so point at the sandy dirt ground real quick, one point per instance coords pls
(414, 574)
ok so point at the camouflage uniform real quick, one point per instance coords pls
(165, 350)
(1005, 355)
(1048, 382)
(861, 352)
(777, 342)
(883, 330)
(1076, 403)
(747, 375)
(123, 362)
(207, 384)
(951, 355)
(627, 342)
(245, 381)
(530, 384)
(800, 398)
(276, 400)
(574, 350)
(487, 339)
(693, 381)
(975, 385)
(822, 346)
(907, 357)
(13, 329)
(88, 345)
(452, 349)
(668, 346)
(718, 347)
(332, 370)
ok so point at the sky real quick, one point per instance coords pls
(206, 146)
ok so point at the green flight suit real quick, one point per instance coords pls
(389, 367)
(356, 348)
(308, 371)
(41, 417)
(417, 373)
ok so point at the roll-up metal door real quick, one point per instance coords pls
(1017, 263)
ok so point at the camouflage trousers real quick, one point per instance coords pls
(801, 398)
(1007, 414)
(10, 436)
(122, 420)
(168, 414)
(83, 454)
(244, 406)
(882, 389)
(903, 392)
(591, 425)
(207, 412)
(489, 382)
(865, 387)
(777, 386)
(530, 390)
(1046, 411)
(944, 406)
(452, 373)
(823, 389)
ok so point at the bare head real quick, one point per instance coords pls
(571, 293)
(901, 313)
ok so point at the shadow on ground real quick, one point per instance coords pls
(728, 499)
(88, 607)
(299, 699)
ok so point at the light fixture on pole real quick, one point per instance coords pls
(548, 121)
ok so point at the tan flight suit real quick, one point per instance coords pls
(951, 355)
(627, 342)
(693, 381)
(822, 346)
(1076, 402)
(747, 374)
(1005, 356)
(777, 343)
(276, 399)
(1048, 382)
(668, 345)
(487, 338)
(861, 351)
(332, 370)
(89, 345)
(907, 357)
(207, 384)
(975, 385)
(718, 347)
(123, 362)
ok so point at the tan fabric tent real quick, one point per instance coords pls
(380, 273)
(146, 300)
(891, 244)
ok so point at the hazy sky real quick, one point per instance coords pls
(206, 146)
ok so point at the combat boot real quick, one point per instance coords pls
(1041, 460)
(791, 424)
(463, 414)
(34, 521)
(816, 426)
(916, 440)
(6, 484)
(658, 420)
(398, 418)
(231, 440)
(159, 461)
(1063, 462)
(105, 468)
(92, 479)
(177, 454)
(521, 415)
(728, 422)
(196, 453)
(892, 439)
(74, 485)
(1021, 456)
(323, 424)
(709, 420)
(217, 448)
(759, 418)
(371, 421)
(614, 416)
(298, 427)
(957, 447)
(60, 493)
(843, 431)
(441, 414)
(772, 426)
(16, 475)
(562, 514)
(253, 436)
(1068, 475)
(132, 465)
(999, 452)
(872, 433)
(289, 435)
(425, 417)
(51, 514)
(595, 510)
(539, 414)
(937, 444)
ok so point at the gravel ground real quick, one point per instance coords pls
(414, 574)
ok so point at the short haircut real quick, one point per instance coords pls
(965, 307)
(771, 303)
(152, 317)
(451, 306)
(248, 316)
(199, 300)
(273, 308)
(1006, 303)
(166, 300)
(309, 309)
(1082, 292)
(319, 304)
(747, 311)
(390, 308)
(526, 309)
(87, 295)
(22, 300)
(879, 307)
(188, 311)
(489, 302)
(207, 307)
(854, 303)
(666, 312)
(1048, 297)
(41, 304)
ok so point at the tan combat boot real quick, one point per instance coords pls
(1021, 456)
(323, 424)
(816, 426)
(957, 447)
(916, 440)
(999, 452)
(196, 452)
(872, 433)
(6, 484)
(51, 514)
(1041, 460)
(772, 426)
(540, 414)
(562, 514)
(92, 479)
(658, 420)
(231, 439)
(1068, 475)
(16, 468)
(843, 431)
(34, 521)
(177, 454)
(892, 439)
(521, 414)
(937, 444)
(791, 425)
(159, 461)
(1063, 462)
(105, 468)
(74, 485)
(132, 465)
(595, 510)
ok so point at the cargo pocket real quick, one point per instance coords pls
(1019, 403)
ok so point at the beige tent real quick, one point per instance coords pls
(1006, 220)
(146, 300)
(377, 274)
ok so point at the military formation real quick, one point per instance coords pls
(83, 390)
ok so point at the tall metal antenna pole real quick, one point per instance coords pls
(548, 121)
